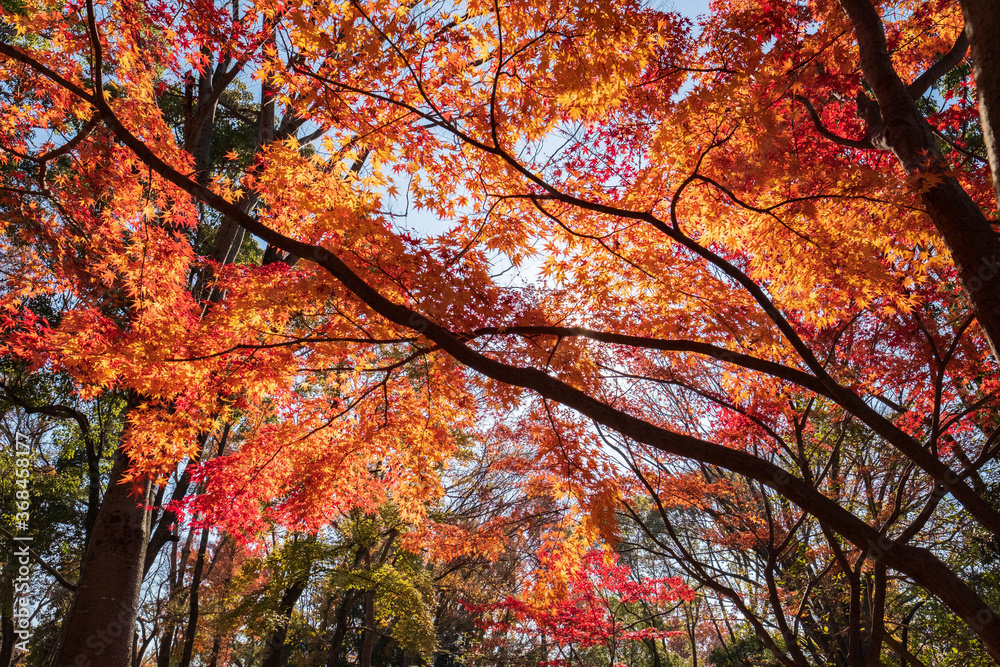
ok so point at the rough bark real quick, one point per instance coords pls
(982, 27)
(974, 245)
(99, 626)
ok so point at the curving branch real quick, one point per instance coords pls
(50, 410)
(919, 564)
(864, 143)
(771, 368)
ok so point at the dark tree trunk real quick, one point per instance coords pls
(162, 533)
(905, 657)
(166, 645)
(192, 624)
(340, 629)
(877, 635)
(368, 636)
(93, 491)
(7, 647)
(99, 626)
(216, 647)
(7, 639)
(199, 122)
(904, 130)
(176, 582)
(276, 641)
(412, 660)
(982, 27)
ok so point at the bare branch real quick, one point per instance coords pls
(45, 566)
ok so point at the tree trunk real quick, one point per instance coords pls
(973, 244)
(7, 646)
(161, 532)
(199, 563)
(192, 624)
(368, 637)
(99, 626)
(6, 615)
(276, 641)
(982, 27)
(905, 657)
(216, 648)
(165, 646)
(654, 652)
(176, 579)
(93, 490)
(340, 629)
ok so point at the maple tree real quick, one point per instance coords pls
(370, 587)
(598, 609)
(735, 239)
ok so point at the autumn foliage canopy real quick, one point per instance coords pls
(741, 269)
(590, 612)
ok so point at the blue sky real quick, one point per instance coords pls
(426, 223)
(691, 8)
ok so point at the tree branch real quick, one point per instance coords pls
(920, 564)
(771, 368)
(865, 143)
(45, 566)
(947, 63)
(52, 410)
